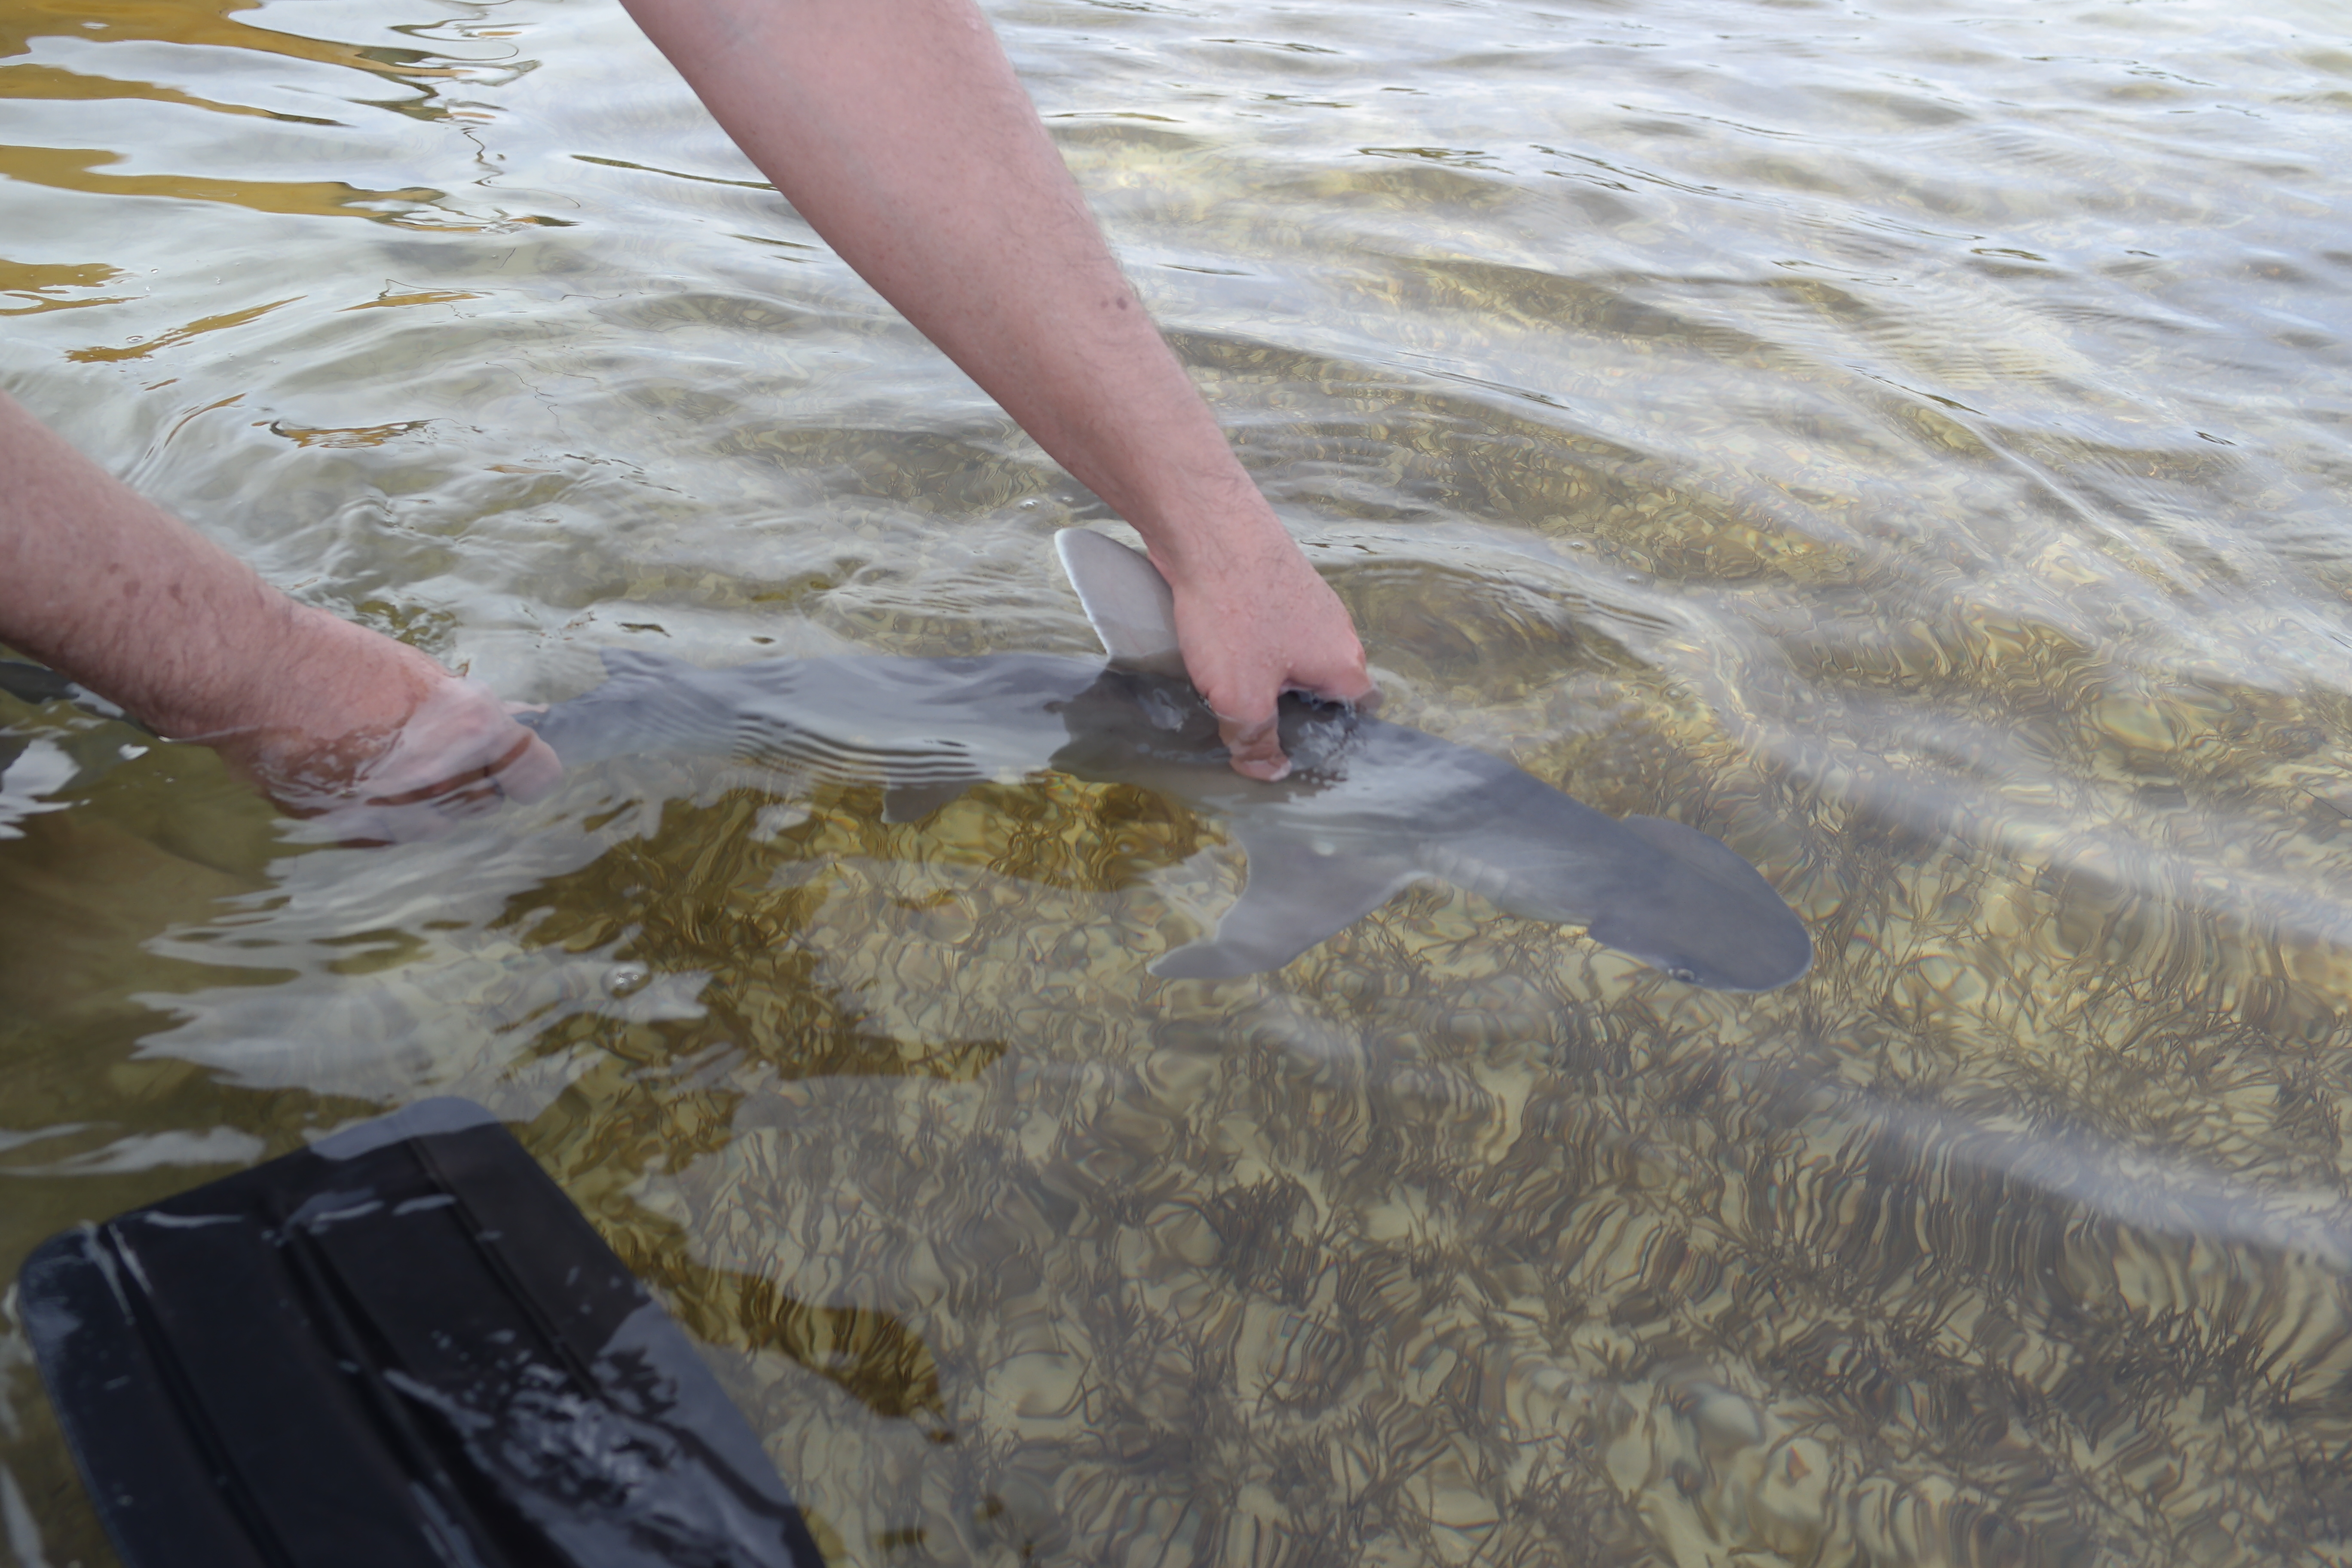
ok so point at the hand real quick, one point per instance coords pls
(1254, 622)
(459, 754)
(376, 743)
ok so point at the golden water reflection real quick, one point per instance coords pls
(1909, 447)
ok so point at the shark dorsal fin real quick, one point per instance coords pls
(1125, 599)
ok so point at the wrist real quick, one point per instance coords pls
(1214, 530)
(301, 682)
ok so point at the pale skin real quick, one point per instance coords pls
(328, 718)
(897, 129)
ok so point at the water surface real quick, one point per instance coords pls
(1908, 441)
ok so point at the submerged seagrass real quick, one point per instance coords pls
(1369, 808)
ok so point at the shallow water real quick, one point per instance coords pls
(1909, 442)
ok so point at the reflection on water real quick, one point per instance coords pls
(1910, 444)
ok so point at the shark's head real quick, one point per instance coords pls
(1704, 916)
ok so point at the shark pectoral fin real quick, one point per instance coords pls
(914, 802)
(1293, 899)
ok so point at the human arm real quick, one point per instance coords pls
(897, 129)
(328, 718)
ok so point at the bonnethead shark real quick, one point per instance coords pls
(1368, 808)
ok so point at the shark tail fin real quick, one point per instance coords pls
(1125, 600)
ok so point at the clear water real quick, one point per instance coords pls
(1910, 441)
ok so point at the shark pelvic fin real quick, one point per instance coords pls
(1294, 899)
(1125, 600)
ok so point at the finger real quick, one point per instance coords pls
(361, 827)
(530, 772)
(1255, 747)
(1359, 694)
(524, 771)
(1335, 671)
(451, 783)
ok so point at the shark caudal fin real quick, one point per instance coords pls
(1125, 599)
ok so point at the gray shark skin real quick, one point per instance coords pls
(34, 685)
(1369, 808)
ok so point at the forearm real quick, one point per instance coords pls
(326, 717)
(898, 130)
(102, 583)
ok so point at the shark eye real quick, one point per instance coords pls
(1687, 977)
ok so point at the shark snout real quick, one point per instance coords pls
(1696, 934)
